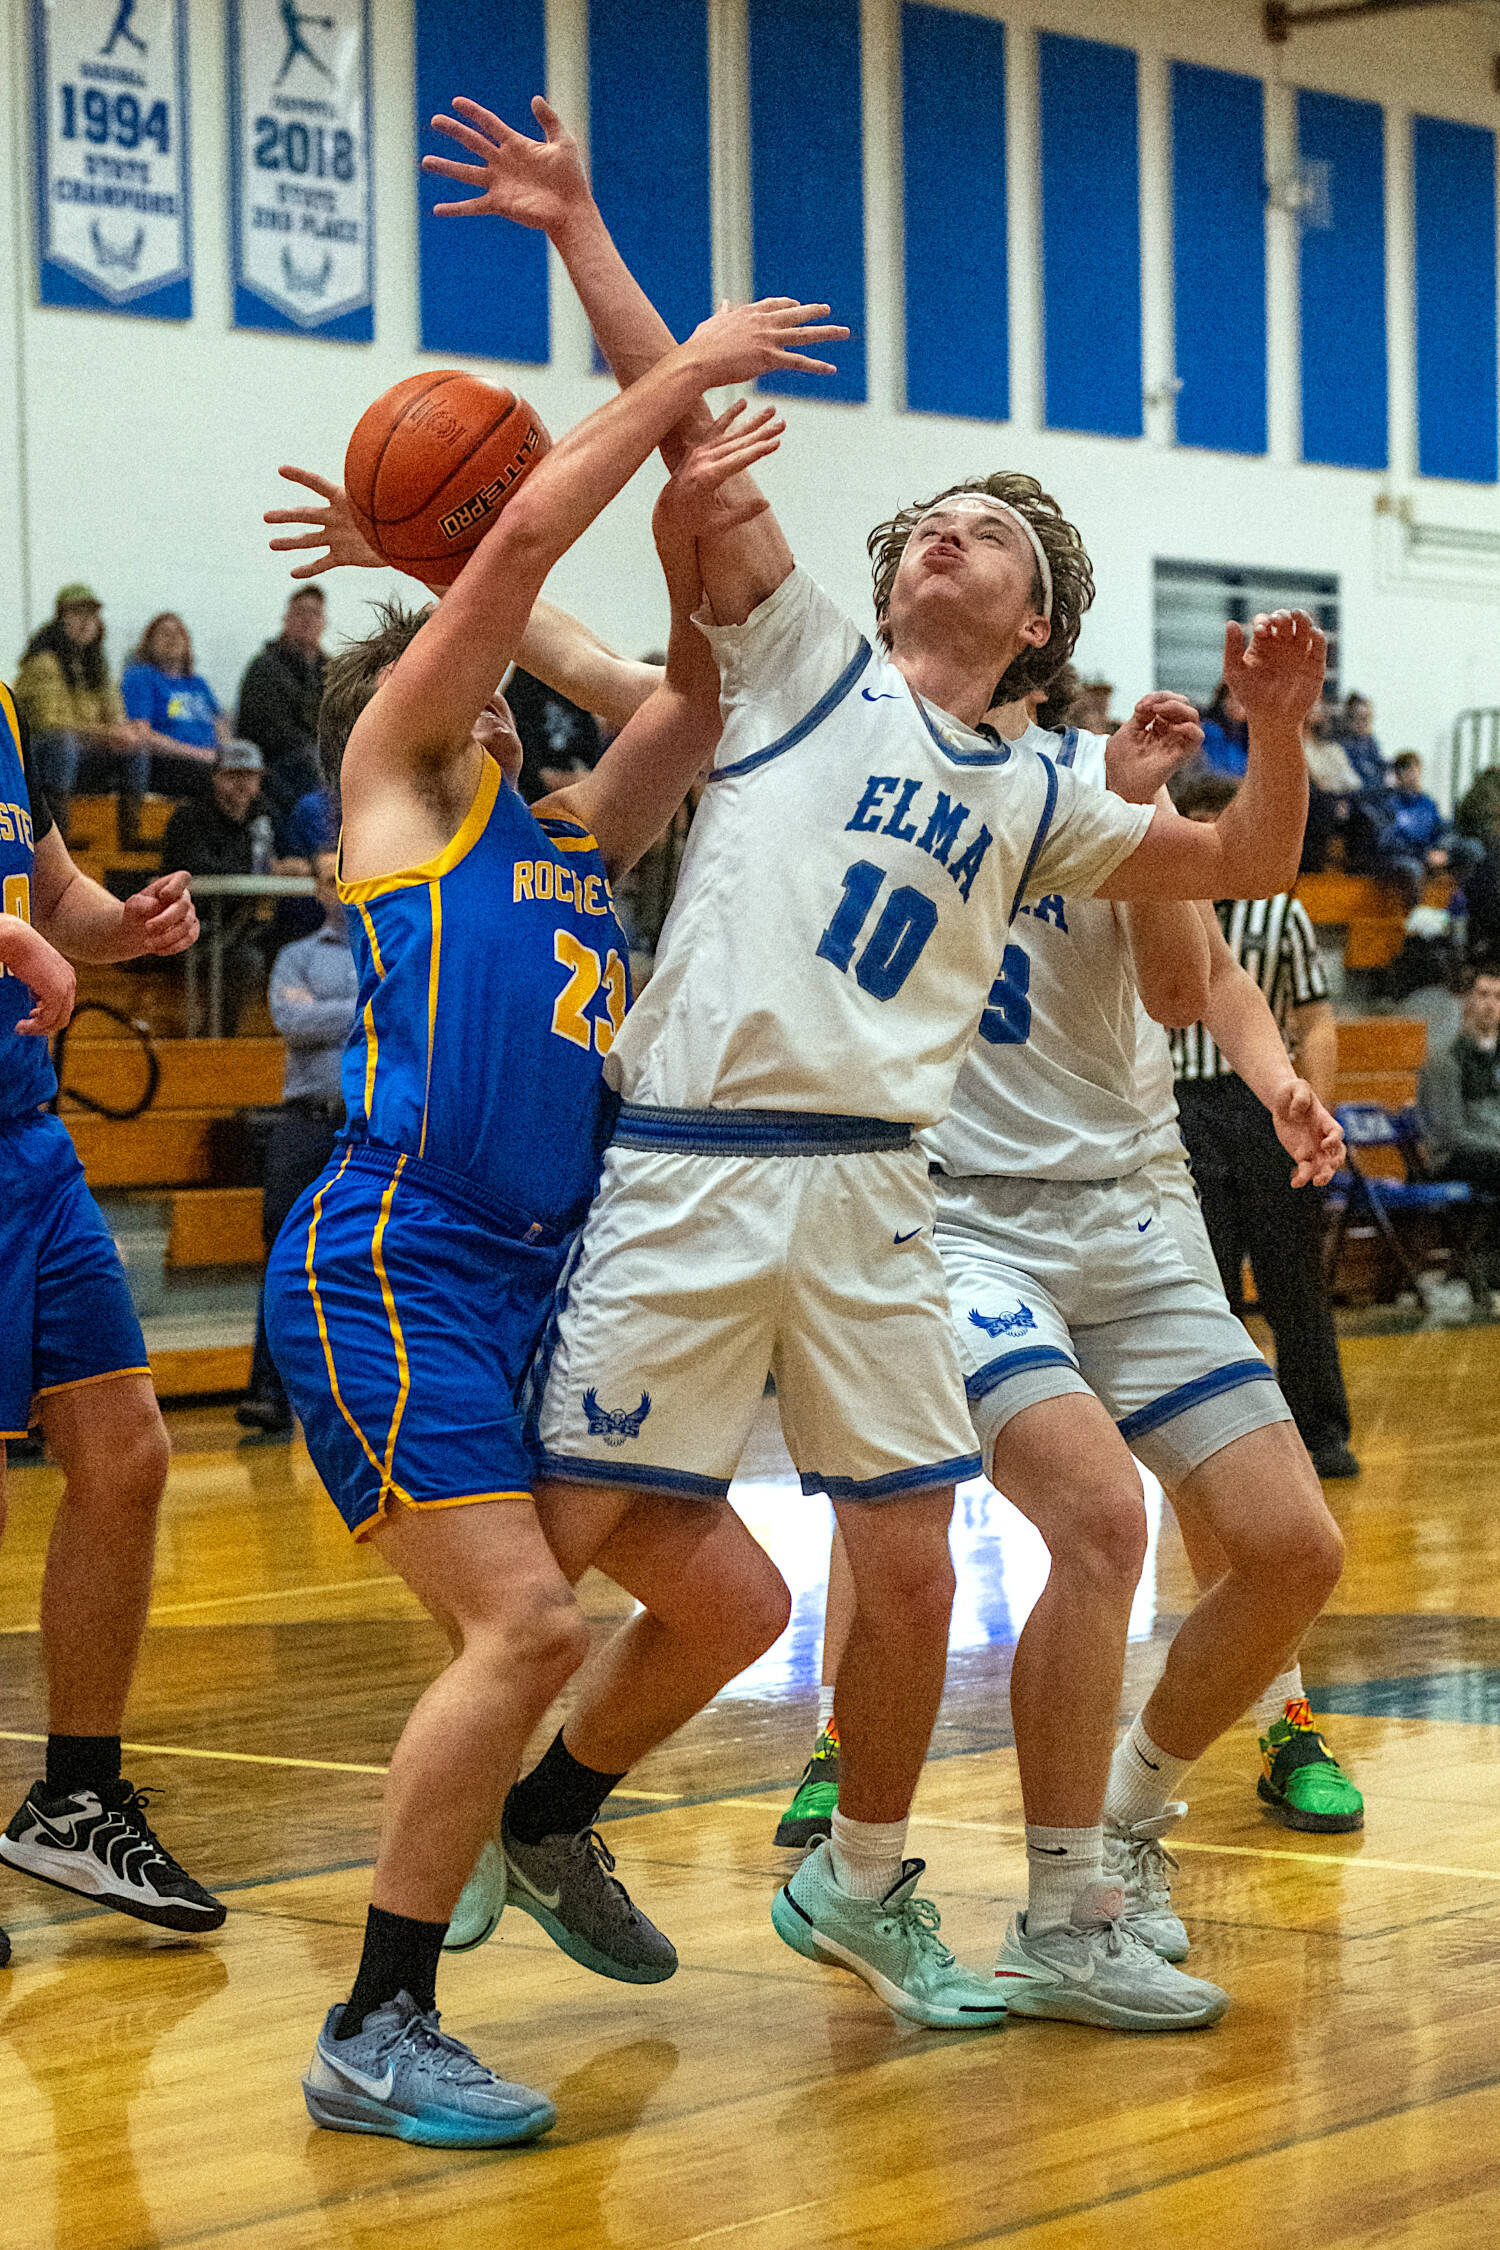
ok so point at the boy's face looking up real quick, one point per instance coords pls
(1482, 1008)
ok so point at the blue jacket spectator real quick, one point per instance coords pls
(160, 687)
(1412, 839)
(1226, 735)
(312, 826)
(1352, 729)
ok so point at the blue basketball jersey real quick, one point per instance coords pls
(492, 982)
(27, 1079)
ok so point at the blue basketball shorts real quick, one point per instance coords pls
(403, 1309)
(65, 1312)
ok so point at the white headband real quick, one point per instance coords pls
(988, 500)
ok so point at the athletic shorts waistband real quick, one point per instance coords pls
(755, 1132)
(453, 1188)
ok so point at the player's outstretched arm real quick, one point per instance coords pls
(1253, 848)
(84, 921)
(425, 712)
(643, 777)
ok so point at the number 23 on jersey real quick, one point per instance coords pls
(586, 972)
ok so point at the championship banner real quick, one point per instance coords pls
(111, 147)
(300, 193)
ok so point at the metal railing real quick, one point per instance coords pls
(1475, 745)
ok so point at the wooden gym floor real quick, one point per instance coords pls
(148, 2084)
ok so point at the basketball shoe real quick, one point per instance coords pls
(810, 1813)
(100, 1844)
(569, 1885)
(481, 1902)
(1138, 1860)
(1095, 1969)
(402, 2076)
(891, 1942)
(1303, 1785)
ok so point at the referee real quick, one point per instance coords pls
(1243, 1173)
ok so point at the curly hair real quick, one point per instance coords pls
(354, 674)
(1072, 577)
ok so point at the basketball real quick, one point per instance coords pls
(431, 464)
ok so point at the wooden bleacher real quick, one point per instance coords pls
(1367, 910)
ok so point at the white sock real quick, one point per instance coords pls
(867, 1855)
(1284, 1689)
(825, 1704)
(1143, 1779)
(1060, 1862)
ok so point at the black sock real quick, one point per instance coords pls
(558, 1797)
(400, 1955)
(81, 1761)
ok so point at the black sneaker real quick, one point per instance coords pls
(99, 1844)
(1334, 1461)
(266, 1417)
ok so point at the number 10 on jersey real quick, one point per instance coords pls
(894, 946)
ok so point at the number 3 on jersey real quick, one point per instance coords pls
(570, 1018)
(1006, 1021)
(894, 945)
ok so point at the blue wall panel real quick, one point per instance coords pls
(483, 281)
(1219, 257)
(1453, 178)
(1344, 399)
(953, 146)
(1091, 237)
(807, 174)
(648, 147)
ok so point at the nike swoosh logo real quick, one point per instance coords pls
(378, 2089)
(1149, 1762)
(909, 1237)
(66, 1838)
(1049, 1851)
(552, 1900)
(1141, 1225)
(886, 695)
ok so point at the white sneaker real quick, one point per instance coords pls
(1137, 1859)
(481, 1902)
(1094, 1969)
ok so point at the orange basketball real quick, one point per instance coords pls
(431, 464)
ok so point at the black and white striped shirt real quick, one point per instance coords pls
(1273, 940)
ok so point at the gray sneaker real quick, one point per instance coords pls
(1137, 1859)
(1094, 1969)
(401, 2076)
(568, 1884)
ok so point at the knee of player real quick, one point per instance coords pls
(1104, 1532)
(548, 1635)
(761, 1611)
(130, 1471)
(1311, 1558)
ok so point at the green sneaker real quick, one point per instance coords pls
(891, 1942)
(810, 1813)
(481, 1902)
(1303, 1785)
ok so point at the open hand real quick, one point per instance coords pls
(336, 531)
(536, 183)
(1160, 735)
(1312, 1138)
(1277, 675)
(701, 499)
(160, 919)
(739, 342)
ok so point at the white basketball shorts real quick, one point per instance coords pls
(727, 1245)
(1104, 1286)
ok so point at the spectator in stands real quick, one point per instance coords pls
(1226, 733)
(161, 688)
(1242, 1172)
(279, 698)
(558, 739)
(1411, 837)
(1334, 787)
(229, 833)
(1478, 818)
(1353, 726)
(1459, 1092)
(75, 714)
(1090, 708)
(314, 990)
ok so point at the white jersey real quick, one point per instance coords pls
(1155, 1083)
(852, 873)
(1052, 1088)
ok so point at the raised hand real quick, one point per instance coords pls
(160, 919)
(1160, 735)
(739, 342)
(336, 531)
(536, 183)
(700, 499)
(1278, 673)
(1312, 1138)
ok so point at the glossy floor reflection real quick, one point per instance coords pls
(148, 2085)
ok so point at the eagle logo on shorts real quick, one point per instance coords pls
(604, 1422)
(1003, 1324)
